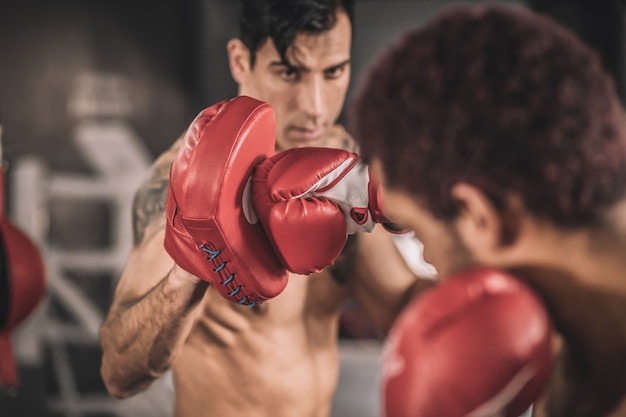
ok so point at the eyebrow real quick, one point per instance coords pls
(302, 68)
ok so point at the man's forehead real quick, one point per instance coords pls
(307, 51)
(314, 49)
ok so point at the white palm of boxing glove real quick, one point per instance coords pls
(348, 186)
(309, 199)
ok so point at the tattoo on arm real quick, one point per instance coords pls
(349, 145)
(340, 139)
(149, 201)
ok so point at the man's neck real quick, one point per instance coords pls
(592, 256)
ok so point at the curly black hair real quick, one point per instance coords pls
(501, 98)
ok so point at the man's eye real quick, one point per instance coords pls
(288, 74)
(335, 72)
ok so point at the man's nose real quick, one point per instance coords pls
(312, 99)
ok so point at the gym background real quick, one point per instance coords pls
(90, 93)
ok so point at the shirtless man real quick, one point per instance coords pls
(279, 358)
(501, 142)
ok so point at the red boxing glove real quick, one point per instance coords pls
(478, 345)
(309, 200)
(207, 233)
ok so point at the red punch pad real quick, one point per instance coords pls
(208, 234)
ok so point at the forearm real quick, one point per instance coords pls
(140, 339)
(385, 307)
(378, 277)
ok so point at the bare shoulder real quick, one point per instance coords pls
(149, 201)
(338, 137)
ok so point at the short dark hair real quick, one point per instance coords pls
(282, 20)
(501, 98)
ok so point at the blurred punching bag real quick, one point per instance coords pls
(600, 23)
(22, 284)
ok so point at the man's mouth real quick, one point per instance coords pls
(305, 134)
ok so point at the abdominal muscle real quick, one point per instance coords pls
(280, 359)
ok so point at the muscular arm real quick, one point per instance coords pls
(155, 302)
(371, 266)
(377, 276)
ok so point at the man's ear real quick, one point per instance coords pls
(238, 60)
(479, 223)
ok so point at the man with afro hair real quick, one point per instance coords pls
(500, 141)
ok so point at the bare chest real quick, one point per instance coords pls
(282, 354)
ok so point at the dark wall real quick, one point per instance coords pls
(218, 24)
(600, 23)
(147, 49)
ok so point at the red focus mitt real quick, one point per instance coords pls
(207, 233)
